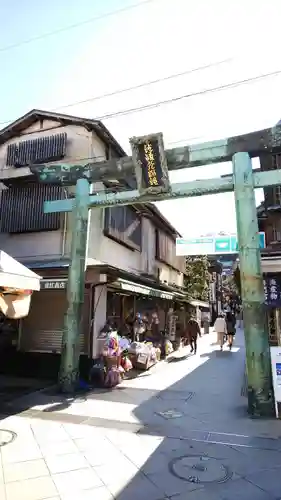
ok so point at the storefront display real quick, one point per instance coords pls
(152, 322)
(143, 355)
(114, 362)
(168, 347)
(140, 327)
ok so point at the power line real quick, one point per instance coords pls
(174, 99)
(146, 84)
(171, 143)
(187, 96)
(139, 86)
(74, 26)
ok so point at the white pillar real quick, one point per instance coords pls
(99, 315)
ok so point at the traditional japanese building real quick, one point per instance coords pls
(131, 254)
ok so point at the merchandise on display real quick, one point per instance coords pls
(143, 355)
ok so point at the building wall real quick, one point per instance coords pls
(271, 225)
(81, 145)
(106, 250)
(103, 249)
(169, 275)
(40, 246)
(54, 245)
(51, 245)
(148, 247)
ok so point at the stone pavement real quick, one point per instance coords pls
(179, 431)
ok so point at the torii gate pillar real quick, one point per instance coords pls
(256, 337)
(70, 354)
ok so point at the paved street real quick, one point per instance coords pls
(179, 431)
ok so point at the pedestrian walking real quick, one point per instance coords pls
(230, 327)
(192, 332)
(240, 318)
(220, 329)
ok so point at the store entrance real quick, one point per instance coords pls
(9, 335)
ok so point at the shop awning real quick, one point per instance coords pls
(199, 303)
(15, 275)
(271, 264)
(130, 286)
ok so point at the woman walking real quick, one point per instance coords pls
(240, 318)
(220, 329)
(230, 326)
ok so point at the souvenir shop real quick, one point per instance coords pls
(141, 328)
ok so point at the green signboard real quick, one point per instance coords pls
(212, 245)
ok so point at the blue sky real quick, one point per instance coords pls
(160, 38)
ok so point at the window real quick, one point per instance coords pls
(40, 150)
(276, 231)
(276, 191)
(165, 248)
(165, 251)
(22, 208)
(277, 195)
(123, 224)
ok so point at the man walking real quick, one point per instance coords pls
(192, 332)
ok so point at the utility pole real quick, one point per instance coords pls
(151, 165)
(260, 394)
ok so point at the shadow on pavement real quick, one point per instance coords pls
(175, 359)
(186, 433)
(206, 445)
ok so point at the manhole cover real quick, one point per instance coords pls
(199, 469)
(168, 414)
(172, 395)
(6, 437)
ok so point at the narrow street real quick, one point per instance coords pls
(180, 432)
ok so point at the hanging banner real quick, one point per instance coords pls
(276, 375)
(272, 290)
(150, 163)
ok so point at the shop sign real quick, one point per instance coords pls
(172, 326)
(146, 291)
(142, 359)
(59, 284)
(276, 374)
(212, 292)
(150, 163)
(272, 290)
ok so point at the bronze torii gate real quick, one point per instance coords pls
(151, 165)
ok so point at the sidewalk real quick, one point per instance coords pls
(180, 432)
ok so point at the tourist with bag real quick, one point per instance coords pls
(220, 329)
